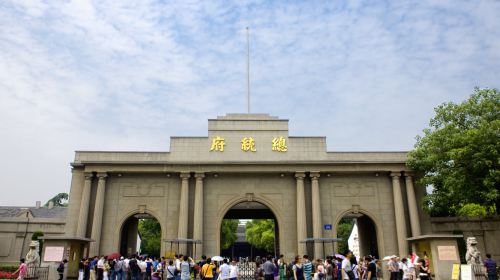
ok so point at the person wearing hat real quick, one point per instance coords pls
(393, 267)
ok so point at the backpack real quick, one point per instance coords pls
(60, 269)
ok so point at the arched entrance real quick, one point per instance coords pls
(261, 224)
(141, 234)
(358, 233)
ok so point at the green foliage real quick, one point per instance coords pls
(35, 236)
(228, 233)
(61, 199)
(458, 155)
(8, 267)
(344, 229)
(260, 233)
(476, 210)
(150, 233)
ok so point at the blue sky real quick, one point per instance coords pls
(127, 75)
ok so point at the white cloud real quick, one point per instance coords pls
(125, 75)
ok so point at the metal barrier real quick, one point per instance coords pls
(40, 273)
(247, 270)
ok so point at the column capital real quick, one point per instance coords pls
(409, 174)
(314, 175)
(199, 175)
(102, 175)
(185, 175)
(395, 174)
(300, 174)
(88, 175)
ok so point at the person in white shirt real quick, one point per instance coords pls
(234, 271)
(346, 265)
(224, 270)
(143, 265)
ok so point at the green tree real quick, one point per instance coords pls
(458, 155)
(36, 237)
(344, 229)
(150, 233)
(260, 233)
(61, 199)
(228, 232)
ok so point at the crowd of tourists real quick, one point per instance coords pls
(337, 267)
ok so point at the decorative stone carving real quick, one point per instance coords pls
(32, 258)
(473, 256)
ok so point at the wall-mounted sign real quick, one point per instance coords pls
(447, 253)
(53, 254)
(328, 227)
(248, 144)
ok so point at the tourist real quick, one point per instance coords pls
(282, 268)
(86, 269)
(308, 267)
(406, 275)
(330, 269)
(423, 273)
(149, 269)
(81, 269)
(347, 273)
(258, 273)
(224, 270)
(234, 272)
(134, 269)
(393, 268)
(118, 270)
(298, 269)
(320, 270)
(186, 265)
(170, 270)
(355, 267)
(268, 268)
(107, 268)
(142, 265)
(276, 273)
(491, 267)
(207, 270)
(22, 270)
(371, 269)
(100, 268)
(93, 268)
(61, 268)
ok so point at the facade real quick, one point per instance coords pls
(244, 158)
(248, 162)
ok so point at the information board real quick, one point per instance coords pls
(447, 253)
(53, 254)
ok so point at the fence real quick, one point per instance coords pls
(39, 273)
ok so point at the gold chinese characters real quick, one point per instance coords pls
(218, 144)
(279, 144)
(248, 144)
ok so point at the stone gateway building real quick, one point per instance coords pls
(247, 165)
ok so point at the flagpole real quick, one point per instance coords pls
(248, 71)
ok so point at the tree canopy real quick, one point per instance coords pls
(150, 233)
(344, 230)
(457, 156)
(228, 232)
(61, 199)
(260, 233)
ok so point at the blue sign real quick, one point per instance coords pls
(328, 227)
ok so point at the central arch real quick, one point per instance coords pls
(235, 208)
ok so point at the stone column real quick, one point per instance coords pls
(399, 214)
(412, 206)
(84, 206)
(182, 230)
(301, 214)
(198, 214)
(98, 211)
(316, 214)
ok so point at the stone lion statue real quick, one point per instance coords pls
(33, 258)
(473, 256)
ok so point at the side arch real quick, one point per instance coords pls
(233, 202)
(376, 222)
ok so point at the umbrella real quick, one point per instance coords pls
(217, 258)
(386, 258)
(339, 256)
(114, 256)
